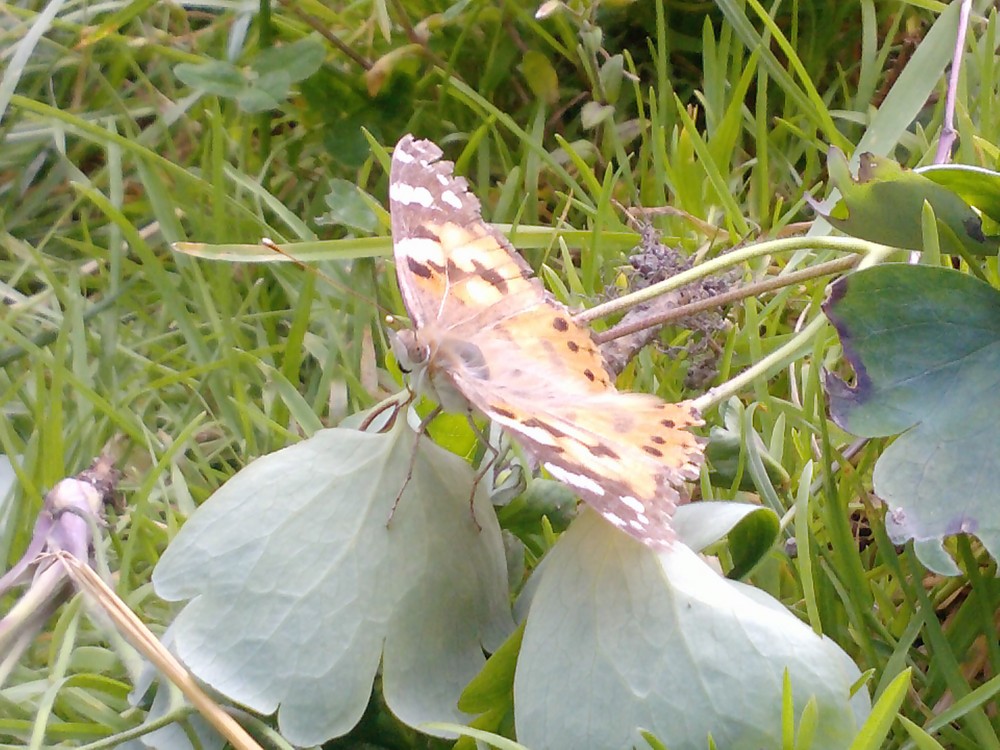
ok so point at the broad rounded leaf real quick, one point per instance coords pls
(299, 587)
(254, 99)
(620, 639)
(216, 77)
(701, 524)
(277, 84)
(924, 343)
(348, 208)
(294, 61)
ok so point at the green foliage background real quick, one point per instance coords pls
(128, 130)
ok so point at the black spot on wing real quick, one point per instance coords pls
(491, 276)
(560, 324)
(600, 450)
(419, 269)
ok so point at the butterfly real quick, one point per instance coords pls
(487, 337)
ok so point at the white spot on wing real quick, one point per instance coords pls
(451, 199)
(408, 194)
(575, 480)
(616, 520)
(482, 292)
(634, 504)
(402, 156)
(420, 249)
(537, 434)
(442, 179)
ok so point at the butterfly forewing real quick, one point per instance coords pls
(495, 336)
(452, 266)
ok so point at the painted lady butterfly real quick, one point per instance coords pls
(487, 336)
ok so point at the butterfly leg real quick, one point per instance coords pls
(421, 429)
(485, 465)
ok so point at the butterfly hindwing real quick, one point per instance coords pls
(626, 454)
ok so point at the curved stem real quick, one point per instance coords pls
(766, 367)
(734, 295)
(735, 257)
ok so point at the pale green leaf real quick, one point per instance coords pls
(300, 587)
(621, 639)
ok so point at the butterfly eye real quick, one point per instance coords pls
(410, 352)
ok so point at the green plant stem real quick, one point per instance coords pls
(730, 259)
(773, 362)
(176, 715)
(750, 290)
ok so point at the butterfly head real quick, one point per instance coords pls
(430, 361)
(411, 353)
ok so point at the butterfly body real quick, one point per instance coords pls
(489, 338)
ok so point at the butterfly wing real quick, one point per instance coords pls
(497, 338)
(626, 454)
(453, 269)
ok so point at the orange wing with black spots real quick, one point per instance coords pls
(486, 330)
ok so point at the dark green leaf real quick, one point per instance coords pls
(276, 84)
(255, 99)
(699, 525)
(751, 539)
(977, 186)
(348, 208)
(296, 61)
(544, 497)
(924, 343)
(884, 205)
(723, 453)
